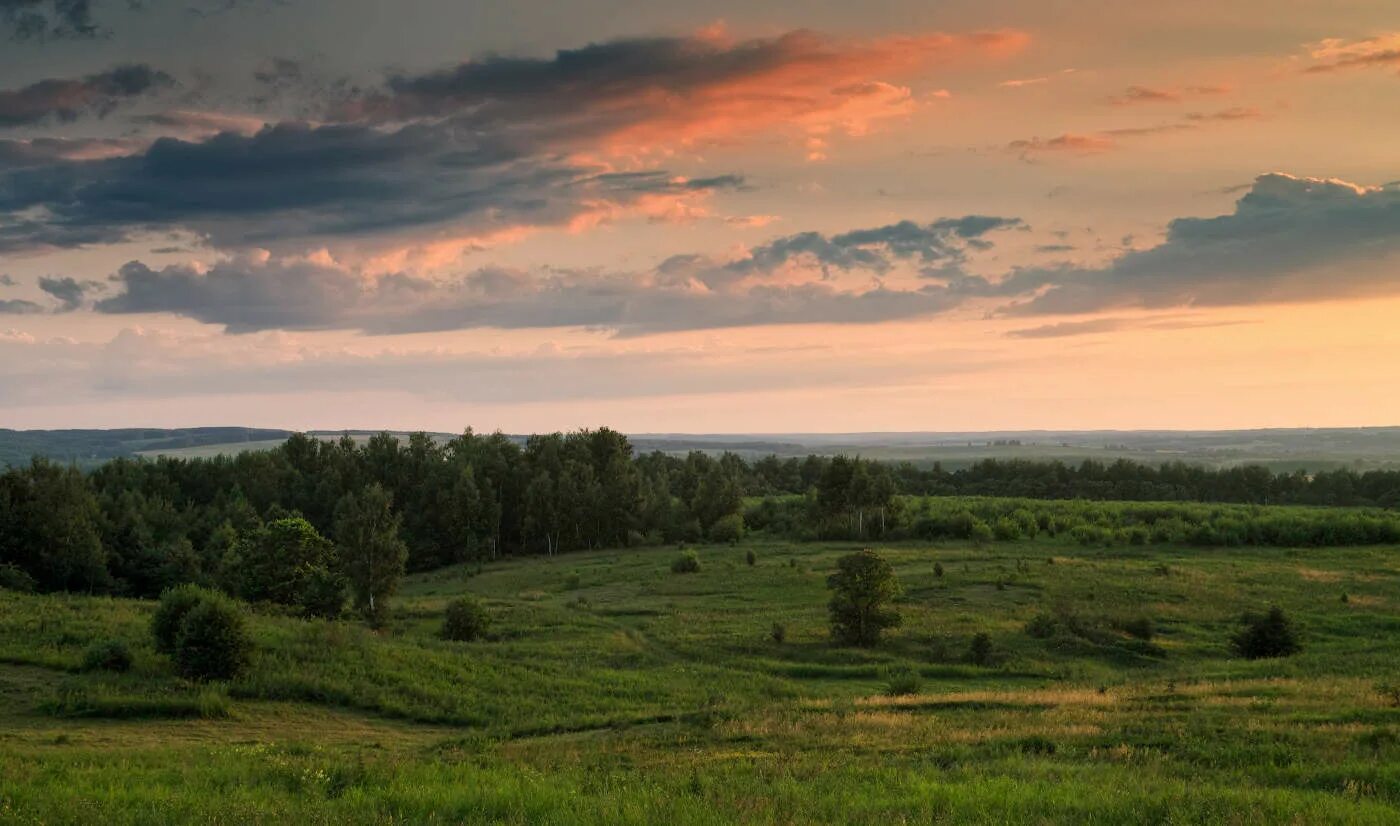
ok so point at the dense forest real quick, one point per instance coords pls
(136, 526)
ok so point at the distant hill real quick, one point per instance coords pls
(92, 447)
(1281, 449)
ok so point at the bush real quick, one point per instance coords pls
(938, 570)
(728, 528)
(1140, 627)
(15, 578)
(1263, 637)
(175, 603)
(686, 563)
(465, 620)
(112, 655)
(751, 557)
(573, 581)
(979, 651)
(323, 594)
(901, 682)
(778, 633)
(213, 643)
(1042, 626)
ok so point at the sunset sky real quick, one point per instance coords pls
(699, 217)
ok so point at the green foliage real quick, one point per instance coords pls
(370, 553)
(465, 620)
(1267, 636)
(903, 681)
(15, 578)
(1140, 627)
(170, 613)
(288, 562)
(687, 563)
(778, 633)
(979, 650)
(213, 643)
(862, 588)
(728, 528)
(109, 655)
(750, 557)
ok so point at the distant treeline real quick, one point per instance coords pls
(138, 526)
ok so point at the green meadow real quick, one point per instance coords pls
(611, 690)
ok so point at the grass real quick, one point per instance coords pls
(610, 690)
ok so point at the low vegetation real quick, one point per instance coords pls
(666, 698)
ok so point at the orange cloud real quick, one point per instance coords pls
(647, 96)
(1336, 53)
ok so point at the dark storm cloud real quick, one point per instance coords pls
(66, 99)
(248, 294)
(297, 181)
(1288, 239)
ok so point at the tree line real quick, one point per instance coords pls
(139, 526)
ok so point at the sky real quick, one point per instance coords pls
(707, 218)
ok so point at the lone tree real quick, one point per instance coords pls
(371, 553)
(862, 586)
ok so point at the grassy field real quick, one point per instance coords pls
(614, 691)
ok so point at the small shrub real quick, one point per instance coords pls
(1042, 626)
(175, 603)
(111, 655)
(686, 563)
(938, 570)
(979, 651)
(901, 682)
(15, 578)
(1140, 627)
(778, 633)
(751, 557)
(465, 620)
(213, 643)
(1036, 744)
(1267, 636)
(1345, 598)
(572, 581)
(728, 529)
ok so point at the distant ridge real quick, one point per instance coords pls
(1281, 449)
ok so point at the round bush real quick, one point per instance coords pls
(175, 603)
(686, 563)
(465, 620)
(15, 578)
(213, 643)
(111, 655)
(1264, 637)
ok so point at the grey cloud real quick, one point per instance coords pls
(247, 295)
(293, 182)
(69, 292)
(17, 306)
(1288, 239)
(66, 99)
(47, 19)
